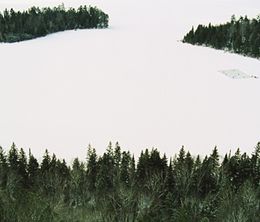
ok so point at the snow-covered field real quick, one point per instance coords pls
(134, 83)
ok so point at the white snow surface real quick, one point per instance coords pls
(134, 83)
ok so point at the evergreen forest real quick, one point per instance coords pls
(239, 36)
(36, 22)
(119, 187)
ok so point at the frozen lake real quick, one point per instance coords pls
(134, 83)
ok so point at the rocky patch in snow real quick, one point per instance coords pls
(237, 74)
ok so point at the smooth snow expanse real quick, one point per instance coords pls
(134, 83)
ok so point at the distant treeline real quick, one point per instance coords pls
(240, 36)
(36, 22)
(114, 188)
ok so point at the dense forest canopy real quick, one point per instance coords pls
(239, 35)
(116, 187)
(35, 22)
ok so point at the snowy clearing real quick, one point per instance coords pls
(134, 83)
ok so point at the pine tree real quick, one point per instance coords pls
(45, 164)
(125, 169)
(142, 168)
(233, 170)
(209, 174)
(181, 157)
(45, 174)
(132, 171)
(189, 163)
(255, 165)
(78, 190)
(13, 158)
(117, 160)
(117, 156)
(105, 182)
(214, 162)
(3, 169)
(196, 176)
(22, 168)
(181, 174)
(92, 169)
(170, 180)
(33, 170)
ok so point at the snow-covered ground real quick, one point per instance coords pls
(134, 83)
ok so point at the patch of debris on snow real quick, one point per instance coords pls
(237, 74)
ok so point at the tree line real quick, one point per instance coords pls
(116, 187)
(35, 22)
(239, 35)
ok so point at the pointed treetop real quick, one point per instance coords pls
(181, 155)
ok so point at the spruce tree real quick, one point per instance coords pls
(33, 171)
(3, 169)
(92, 169)
(13, 158)
(125, 169)
(22, 168)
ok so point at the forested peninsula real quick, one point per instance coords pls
(240, 36)
(35, 22)
(119, 187)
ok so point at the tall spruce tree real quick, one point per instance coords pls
(33, 171)
(125, 169)
(22, 168)
(3, 169)
(92, 169)
(13, 158)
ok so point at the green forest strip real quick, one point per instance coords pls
(240, 36)
(35, 22)
(114, 187)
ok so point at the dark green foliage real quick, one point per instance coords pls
(239, 36)
(22, 168)
(92, 168)
(111, 188)
(36, 22)
(13, 158)
(125, 169)
(77, 186)
(3, 169)
(33, 170)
